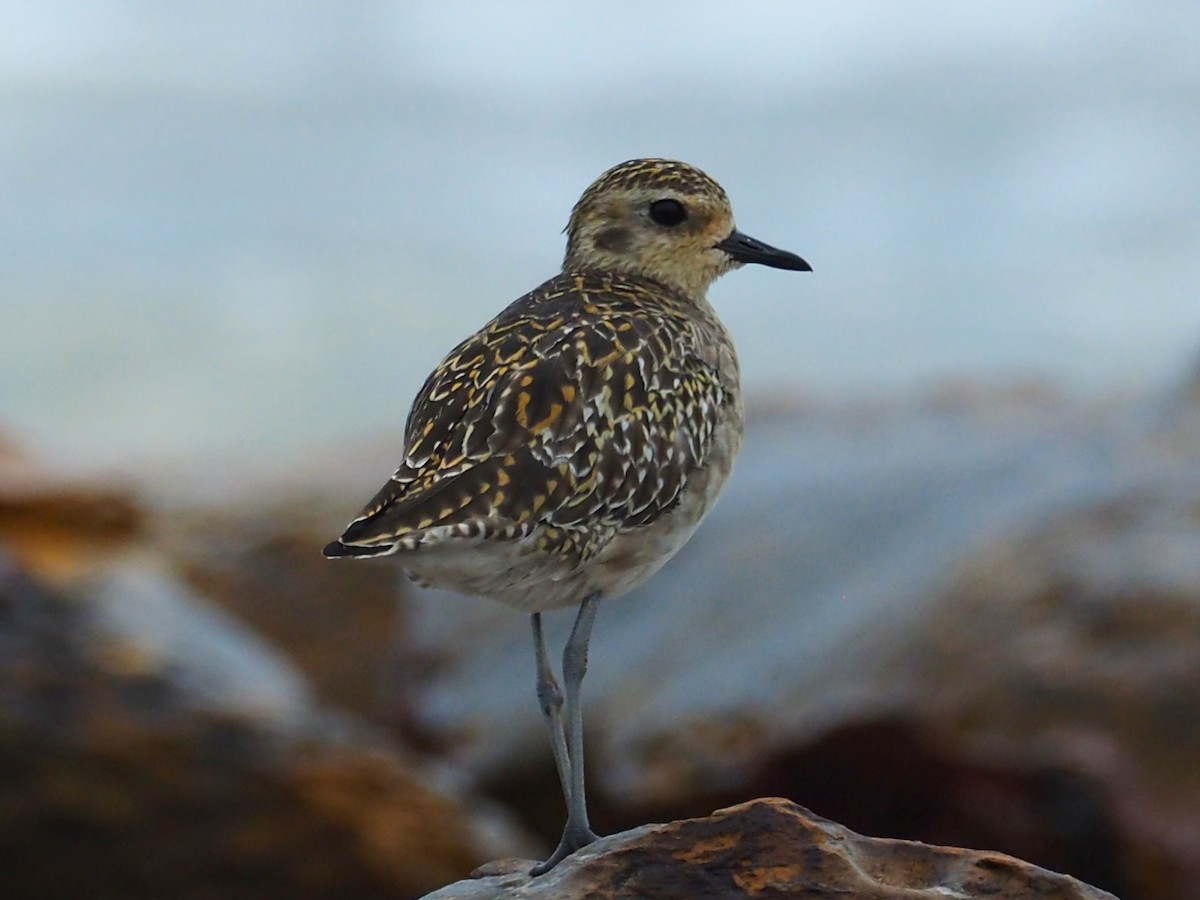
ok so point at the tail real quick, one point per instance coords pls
(338, 550)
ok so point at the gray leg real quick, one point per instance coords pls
(550, 699)
(575, 659)
(578, 832)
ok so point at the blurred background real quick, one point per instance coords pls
(235, 237)
(244, 227)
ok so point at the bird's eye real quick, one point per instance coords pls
(667, 212)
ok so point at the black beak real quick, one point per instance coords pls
(746, 249)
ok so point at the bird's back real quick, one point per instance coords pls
(593, 420)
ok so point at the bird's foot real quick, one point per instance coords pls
(573, 839)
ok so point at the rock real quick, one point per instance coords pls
(1075, 649)
(341, 625)
(830, 524)
(1187, 393)
(768, 849)
(151, 746)
(968, 627)
(60, 524)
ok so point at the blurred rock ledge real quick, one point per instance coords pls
(971, 621)
(58, 522)
(767, 849)
(971, 624)
(152, 745)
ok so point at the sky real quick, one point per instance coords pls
(252, 228)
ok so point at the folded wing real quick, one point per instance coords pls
(577, 417)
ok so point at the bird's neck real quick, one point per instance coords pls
(693, 290)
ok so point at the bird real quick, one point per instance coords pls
(561, 454)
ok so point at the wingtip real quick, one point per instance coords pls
(338, 550)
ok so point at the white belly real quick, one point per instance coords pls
(515, 572)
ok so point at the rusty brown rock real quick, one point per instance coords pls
(1079, 644)
(151, 747)
(978, 628)
(342, 625)
(255, 552)
(769, 849)
(59, 524)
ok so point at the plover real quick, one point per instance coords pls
(567, 449)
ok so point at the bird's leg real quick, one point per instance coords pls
(578, 832)
(550, 699)
(575, 659)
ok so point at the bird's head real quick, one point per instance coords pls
(663, 220)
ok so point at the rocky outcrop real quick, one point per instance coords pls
(342, 626)
(59, 523)
(149, 747)
(970, 626)
(152, 745)
(768, 849)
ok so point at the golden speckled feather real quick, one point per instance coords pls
(581, 409)
(573, 445)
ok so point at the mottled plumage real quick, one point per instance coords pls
(572, 445)
(576, 415)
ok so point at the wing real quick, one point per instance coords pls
(578, 412)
